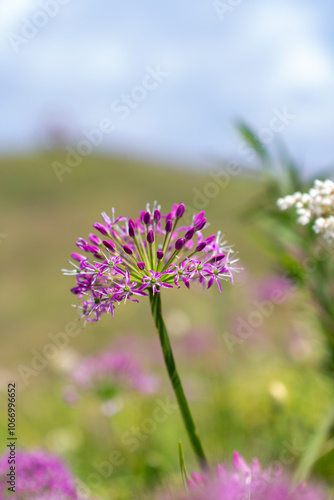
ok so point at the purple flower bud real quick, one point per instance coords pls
(101, 228)
(169, 225)
(218, 257)
(81, 243)
(92, 248)
(200, 224)
(189, 234)
(199, 216)
(179, 243)
(127, 249)
(141, 265)
(180, 210)
(147, 218)
(95, 239)
(200, 246)
(157, 215)
(160, 254)
(78, 257)
(150, 236)
(131, 228)
(211, 238)
(110, 245)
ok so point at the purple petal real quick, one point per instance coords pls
(101, 228)
(211, 281)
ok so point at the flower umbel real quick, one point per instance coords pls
(133, 257)
(317, 205)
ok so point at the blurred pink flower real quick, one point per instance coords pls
(107, 374)
(246, 482)
(275, 286)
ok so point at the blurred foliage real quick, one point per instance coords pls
(301, 256)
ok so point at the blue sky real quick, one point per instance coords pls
(252, 61)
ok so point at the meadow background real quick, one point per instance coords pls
(263, 397)
(216, 64)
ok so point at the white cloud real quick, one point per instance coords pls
(12, 10)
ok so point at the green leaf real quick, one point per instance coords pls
(315, 447)
(183, 467)
(293, 267)
(249, 135)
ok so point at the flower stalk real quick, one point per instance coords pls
(155, 301)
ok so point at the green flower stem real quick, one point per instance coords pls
(155, 301)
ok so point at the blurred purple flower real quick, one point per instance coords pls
(110, 372)
(39, 476)
(275, 287)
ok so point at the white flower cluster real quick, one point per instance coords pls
(317, 205)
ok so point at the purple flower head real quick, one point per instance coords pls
(147, 254)
(39, 475)
(155, 282)
(246, 482)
